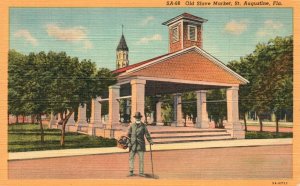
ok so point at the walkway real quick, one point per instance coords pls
(259, 162)
(158, 147)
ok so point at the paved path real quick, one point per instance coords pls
(156, 147)
(261, 162)
(211, 126)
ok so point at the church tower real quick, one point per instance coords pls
(185, 31)
(122, 53)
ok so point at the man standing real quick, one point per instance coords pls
(136, 133)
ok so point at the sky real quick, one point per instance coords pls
(94, 33)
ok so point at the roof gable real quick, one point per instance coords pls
(192, 63)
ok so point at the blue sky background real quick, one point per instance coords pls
(94, 33)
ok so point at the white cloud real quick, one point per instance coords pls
(269, 29)
(87, 44)
(147, 20)
(74, 34)
(146, 40)
(25, 34)
(273, 24)
(236, 27)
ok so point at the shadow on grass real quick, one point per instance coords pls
(34, 133)
(22, 130)
(56, 146)
(35, 143)
(23, 138)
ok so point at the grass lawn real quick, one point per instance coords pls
(26, 137)
(267, 135)
(270, 124)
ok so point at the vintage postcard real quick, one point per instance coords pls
(154, 93)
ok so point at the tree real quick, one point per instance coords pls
(189, 106)
(150, 106)
(104, 108)
(217, 108)
(74, 83)
(54, 82)
(167, 108)
(273, 62)
(243, 68)
(283, 97)
(103, 79)
(269, 69)
(16, 80)
(281, 76)
(38, 80)
(28, 84)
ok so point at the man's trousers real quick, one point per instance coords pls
(141, 161)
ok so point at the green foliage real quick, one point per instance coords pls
(217, 110)
(280, 86)
(103, 79)
(16, 80)
(167, 114)
(243, 68)
(104, 108)
(267, 135)
(71, 82)
(167, 108)
(25, 137)
(54, 82)
(150, 105)
(189, 106)
(270, 72)
(125, 117)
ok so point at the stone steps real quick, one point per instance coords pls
(188, 135)
(185, 135)
(187, 131)
(187, 140)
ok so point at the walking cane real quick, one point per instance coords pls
(151, 160)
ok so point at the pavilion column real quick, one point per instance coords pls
(95, 120)
(137, 97)
(174, 122)
(233, 124)
(177, 110)
(202, 115)
(158, 113)
(82, 115)
(114, 107)
(179, 122)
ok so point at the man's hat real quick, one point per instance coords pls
(138, 115)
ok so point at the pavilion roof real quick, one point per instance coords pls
(193, 64)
